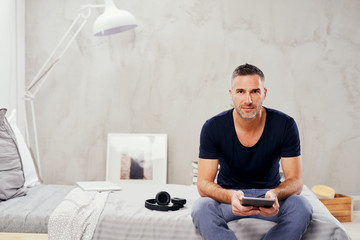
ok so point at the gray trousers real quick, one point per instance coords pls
(211, 217)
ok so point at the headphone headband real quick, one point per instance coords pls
(151, 204)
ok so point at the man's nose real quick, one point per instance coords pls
(248, 98)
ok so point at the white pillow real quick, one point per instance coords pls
(31, 177)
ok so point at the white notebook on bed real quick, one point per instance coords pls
(99, 186)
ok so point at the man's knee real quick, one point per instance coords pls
(202, 205)
(202, 208)
(208, 218)
(300, 205)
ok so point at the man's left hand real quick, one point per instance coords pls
(274, 209)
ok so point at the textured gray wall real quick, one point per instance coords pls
(172, 73)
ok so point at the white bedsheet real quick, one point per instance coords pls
(125, 215)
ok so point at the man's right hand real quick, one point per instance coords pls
(240, 210)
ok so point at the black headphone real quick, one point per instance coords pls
(161, 201)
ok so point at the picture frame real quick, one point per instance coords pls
(136, 158)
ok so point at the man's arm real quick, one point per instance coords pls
(207, 169)
(292, 168)
(293, 184)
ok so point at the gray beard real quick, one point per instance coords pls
(249, 117)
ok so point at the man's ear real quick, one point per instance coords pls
(265, 92)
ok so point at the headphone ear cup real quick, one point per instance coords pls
(163, 198)
(178, 201)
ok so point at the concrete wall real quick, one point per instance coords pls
(173, 71)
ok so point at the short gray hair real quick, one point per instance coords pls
(248, 69)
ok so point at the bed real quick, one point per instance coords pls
(66, 212)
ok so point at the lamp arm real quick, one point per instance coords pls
(41, 76)
(45, 71)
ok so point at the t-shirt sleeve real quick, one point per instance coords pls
(291, 144)
(208, 148)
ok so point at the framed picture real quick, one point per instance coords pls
(136, 158)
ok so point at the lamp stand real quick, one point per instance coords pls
(42, 75)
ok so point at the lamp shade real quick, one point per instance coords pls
(113, 20)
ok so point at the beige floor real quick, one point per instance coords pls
(22, 236)
(353, 228)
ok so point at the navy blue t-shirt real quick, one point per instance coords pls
(249, 167)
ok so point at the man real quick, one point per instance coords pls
(248, 142)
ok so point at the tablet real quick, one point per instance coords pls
(98, 186)
(257, 202)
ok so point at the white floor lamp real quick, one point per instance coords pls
(110, 22)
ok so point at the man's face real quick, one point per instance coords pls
(248, 94)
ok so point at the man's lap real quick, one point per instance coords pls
(292, 203)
